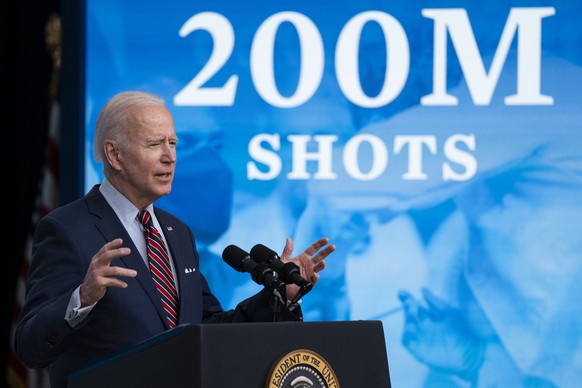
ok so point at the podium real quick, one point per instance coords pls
(346, 354)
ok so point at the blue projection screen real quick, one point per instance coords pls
(438, 144)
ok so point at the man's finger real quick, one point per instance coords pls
(112, 250)
(313, 248)
(120, 272)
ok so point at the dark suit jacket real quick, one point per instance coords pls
(64, 243)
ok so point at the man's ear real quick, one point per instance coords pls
(112, 154)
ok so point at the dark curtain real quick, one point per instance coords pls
(25, 74)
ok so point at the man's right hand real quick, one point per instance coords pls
(101, 274)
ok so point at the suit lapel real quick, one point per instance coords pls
(111, 228)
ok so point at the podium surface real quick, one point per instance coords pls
(247, 355)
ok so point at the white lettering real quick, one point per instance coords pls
(265, 156)
(379, 157)
(397, 61)
(481, 84)
(415, 144)
(465, 159)
(301, 156)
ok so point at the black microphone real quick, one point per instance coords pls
(241, 261)
(289, 272)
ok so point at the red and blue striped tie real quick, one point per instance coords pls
(160, 269)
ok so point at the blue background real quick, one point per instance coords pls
(489, 267)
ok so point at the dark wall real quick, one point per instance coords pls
(25, 73)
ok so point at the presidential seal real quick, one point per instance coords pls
(301, 369)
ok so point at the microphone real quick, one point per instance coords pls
(289, 272)
(241, 261)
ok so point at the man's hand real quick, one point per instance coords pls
(101, 274)
(310, 262)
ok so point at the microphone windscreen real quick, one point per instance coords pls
(235, 257)
(261, 253)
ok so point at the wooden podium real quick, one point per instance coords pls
(346, 354)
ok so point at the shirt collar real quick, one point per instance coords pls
(125, 210)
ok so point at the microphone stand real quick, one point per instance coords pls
(277, 301)
(302, 292)
(263, 274)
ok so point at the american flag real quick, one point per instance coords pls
(19, 376)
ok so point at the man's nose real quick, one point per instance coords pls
(169, 154)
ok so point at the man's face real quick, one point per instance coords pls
(148, 158)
